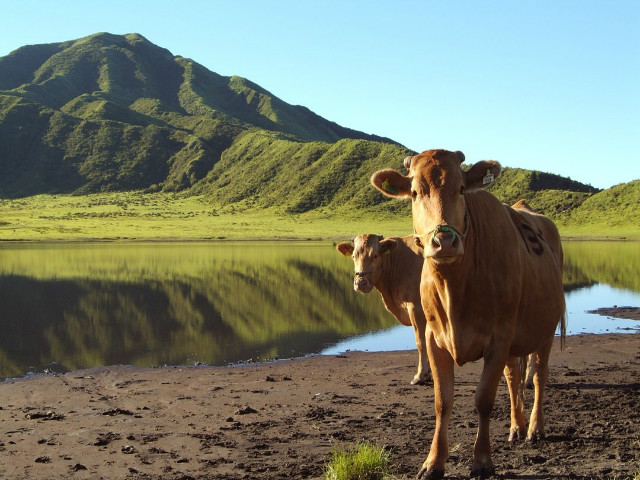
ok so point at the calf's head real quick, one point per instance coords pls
(437, 186)
(367, 251)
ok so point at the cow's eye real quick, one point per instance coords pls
(414, 194)
(462, 190)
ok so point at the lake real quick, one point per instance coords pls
(71, 306)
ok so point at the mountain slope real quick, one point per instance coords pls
(110, 112)
(614, 208)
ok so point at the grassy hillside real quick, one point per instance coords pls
(612, 212)
(546, 192)
(115, 113)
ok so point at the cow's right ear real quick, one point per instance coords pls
(345, 248)
(392, 183)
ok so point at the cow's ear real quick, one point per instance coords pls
(482, 175)
(392, 183)
(388, 245)
(345, 248)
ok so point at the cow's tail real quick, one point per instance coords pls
(523, 364)
(563, 328)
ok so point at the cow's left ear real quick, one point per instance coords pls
(481, 175)
(388, 245)
(345, 248)
(392, 183)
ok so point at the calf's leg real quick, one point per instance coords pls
(419, 322)
(443, 386)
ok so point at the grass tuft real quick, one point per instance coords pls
(363, 461)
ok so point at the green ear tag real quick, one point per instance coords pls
(386, 186)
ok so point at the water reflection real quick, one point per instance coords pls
(77, 306)
(100, 304)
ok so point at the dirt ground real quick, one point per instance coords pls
(283, 419)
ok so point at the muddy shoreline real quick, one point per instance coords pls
(282, 419)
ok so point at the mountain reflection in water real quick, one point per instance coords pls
(72, 306)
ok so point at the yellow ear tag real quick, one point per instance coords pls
(386, 186)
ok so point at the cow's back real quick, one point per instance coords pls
(542, 303)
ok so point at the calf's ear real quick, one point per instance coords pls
(345, 248)
(392, 183)
(388, 245)
(482, 175)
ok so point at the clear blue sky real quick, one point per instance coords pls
(551, 85)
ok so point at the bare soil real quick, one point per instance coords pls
(283, 419)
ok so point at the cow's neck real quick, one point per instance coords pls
(385, 281)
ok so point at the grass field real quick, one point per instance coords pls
(161, 216)
(136, 216)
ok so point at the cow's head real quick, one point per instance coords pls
(367, 251)
(437, 186)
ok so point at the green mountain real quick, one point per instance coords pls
(110, 112)
(552, 194)
(118, 113)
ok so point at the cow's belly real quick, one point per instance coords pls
(537, 322)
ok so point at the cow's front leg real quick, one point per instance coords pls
(443, 381)
(494, 364)
(419, 322)
(513, 376)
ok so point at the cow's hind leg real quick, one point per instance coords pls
(513, 374)
(443, 388)
(540, 375)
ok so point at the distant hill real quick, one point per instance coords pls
(612, 208)
(545, 192)
(117, 113)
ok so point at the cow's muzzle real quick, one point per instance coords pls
(443, 244)
(362, 281)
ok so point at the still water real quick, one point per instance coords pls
(71, 306)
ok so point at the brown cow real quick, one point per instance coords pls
(491, 288)
(393, 267)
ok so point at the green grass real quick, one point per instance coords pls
(363, 461)
(139, 216)
(172, 216)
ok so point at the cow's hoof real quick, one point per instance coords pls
(516, 435)
(421, 380)
(483, 472)
(430, 474)
(535, 437)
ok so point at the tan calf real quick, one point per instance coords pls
(393, 267)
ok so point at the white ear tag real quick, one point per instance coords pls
(488, 178)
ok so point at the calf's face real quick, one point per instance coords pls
(366, 252)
